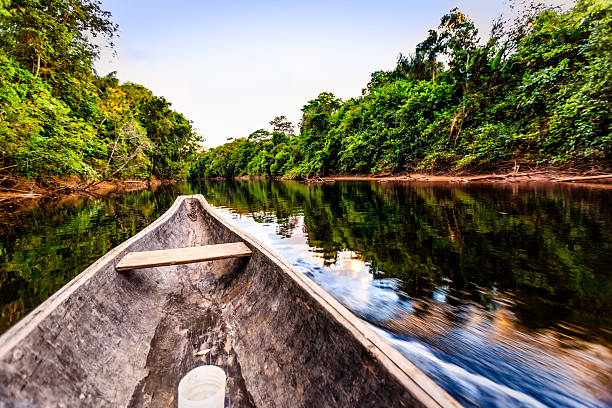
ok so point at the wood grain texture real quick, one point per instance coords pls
(178, 256)
(126, 339)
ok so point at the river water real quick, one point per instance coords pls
(502, 293)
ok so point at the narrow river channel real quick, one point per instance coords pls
(502, 293)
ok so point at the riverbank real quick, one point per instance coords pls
(594, 179)
(28, 195)
(20, 188)
(28, 189)
(514, 177)
(596, 176)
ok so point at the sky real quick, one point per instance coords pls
(231, 67)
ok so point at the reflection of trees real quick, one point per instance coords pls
(550, 247)
(42, 249)
(287, 229)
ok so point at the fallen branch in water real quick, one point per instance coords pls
(489, 176)
(319, 180)
(15, 190)
(584, 178)
(501, 176)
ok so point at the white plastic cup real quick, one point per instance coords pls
(202, 387)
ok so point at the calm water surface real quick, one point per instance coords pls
(501, 293)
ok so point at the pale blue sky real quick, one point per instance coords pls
(232, 66)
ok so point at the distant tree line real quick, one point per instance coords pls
(58, 117)
(539, 91)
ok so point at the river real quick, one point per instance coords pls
(502, 293)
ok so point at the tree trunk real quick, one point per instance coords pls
(95, 183)
(112, 151)
(37, 66)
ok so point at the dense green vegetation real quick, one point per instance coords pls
(538, 91)
(58, 117)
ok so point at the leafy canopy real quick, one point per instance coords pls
(538, 90)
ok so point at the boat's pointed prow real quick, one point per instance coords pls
(126, 339)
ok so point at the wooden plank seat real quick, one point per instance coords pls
(176, 256)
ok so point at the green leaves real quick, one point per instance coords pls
(537, 91)
(57, 117)
(50, 36)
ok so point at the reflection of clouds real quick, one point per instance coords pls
(351, 277)
(293, 247)
(440, 293)
(350, 265)
(348, 279)
(480, 355)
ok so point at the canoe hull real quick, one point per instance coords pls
(126, 339)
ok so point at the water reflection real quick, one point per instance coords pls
(44, 245)
(502, 294)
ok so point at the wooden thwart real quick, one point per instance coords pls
(176, 256)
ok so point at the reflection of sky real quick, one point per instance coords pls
(439, 294)
(348, 278)
(486, 361)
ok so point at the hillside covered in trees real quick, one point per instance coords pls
(59, 118)
(538, 91)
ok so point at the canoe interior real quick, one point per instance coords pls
(126, 338)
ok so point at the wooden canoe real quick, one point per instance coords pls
(117, 339)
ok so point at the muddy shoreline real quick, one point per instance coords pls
(597, 179)
(24, 189)
(28, 189)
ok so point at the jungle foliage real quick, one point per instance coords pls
(539, 90)
(58, 117)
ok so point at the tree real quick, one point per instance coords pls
(58, 117)
(54, 34)
(282, 125)
(537, 91)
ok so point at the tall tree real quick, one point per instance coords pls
(282, 124)
(53, 35)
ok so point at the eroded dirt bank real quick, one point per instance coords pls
(541, 176)
(19, 189)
